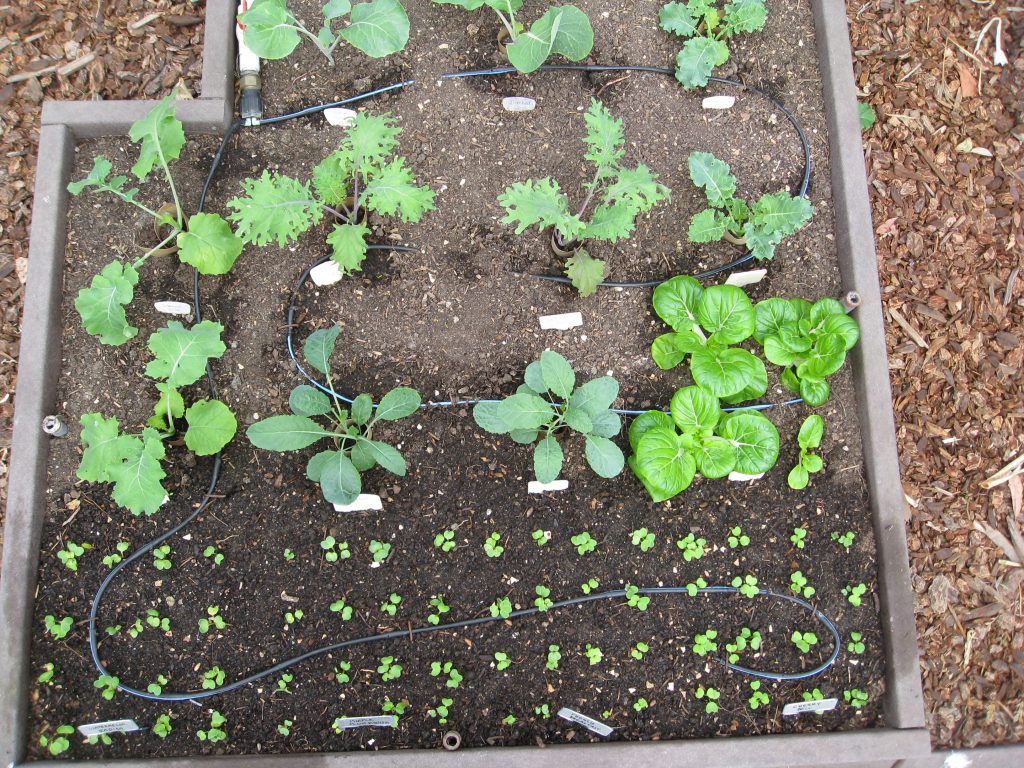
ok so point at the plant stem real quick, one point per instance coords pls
(338, 214)
(355, 190)
(590, 193)
(121, 195)
(142, 259)
(509, 25)
(299, 27)
(170, 181)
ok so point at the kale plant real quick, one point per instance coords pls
(561, 31)
(338, 469)
(760, 227)
(698, 437)
(363, 173)
(204, 240)
(808, 438)
(705, 323)
(809, 340)
(377, 28)
(131, 461)
(707, 28)
(548, 403)
(618, 194)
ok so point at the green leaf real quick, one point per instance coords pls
(335, 9)
(339, 479)
(270, 30)
(815, 392)
(209, 245)
(211, 425)
(392, 190)
(679, 19)
(540, 202)
(101, 305)
(757, 384)
(676, 301)
(305, 400)
(180, 355)
(770, 316)
(716, 457)
(487, 418)
(578, 420)
(707, 226)
(534, 378)
(606, 424)
(843, 326)
(694, 410)
(136, 481)
(285, 433)
(666, 353)
(645, 422)
(755, 438)
(386, 455)
(779, 353)
(105, 447)
(370, 139)
(557, 374)
(789, 380)
(378, 28)
(159, 135)
(744, 16)
(798, 478)
(781, 213)
(97, 176)
(604, 456)
(275, 207)
(760, 241)
(604, 138)
(823, 309)
(663, 464)
(866, 115)
(348, 246)
(547, 459)
(585, 272)
(526, 412)
(319, 346)
(713, 176)
(362, 457)
(812, 462)
(612, 222)
(596, 396)
(826, 358)
(398, 403)
(723, 372)
(725, 311)
(170, 399)
(564, 31)
(315, 465)
(699, 57)
(332, 175)
(638, 187)
(362, 409)
(523, 436)
(811, 432)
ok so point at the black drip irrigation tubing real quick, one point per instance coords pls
(398, 634)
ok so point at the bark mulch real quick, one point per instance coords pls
(948, 232)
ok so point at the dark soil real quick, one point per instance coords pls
(453, 319)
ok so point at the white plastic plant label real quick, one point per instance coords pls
(108, 726)
(561, 322)
(592, 725)
(339, 116)
(739, 477)
(740, 279)
(799, 707)
(327, 273)
(555, 485)
(363, 503)
(718, 102)
(374, 721)
(518, 104)
(173, 307)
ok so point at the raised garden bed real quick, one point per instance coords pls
(455, 318)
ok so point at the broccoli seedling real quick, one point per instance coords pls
(804, 640)
(619, 195)
(798, 584)
(216, 731)
(642, 538)
(704, 643)
(584, 542)
(447, 668)
(707, 27)
(712, 696)
(691, 547)
(593, 654)
(445, 540)
(553, 658)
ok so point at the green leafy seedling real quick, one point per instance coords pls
(278, 207)
(589, 585)
(854, 593)
(638, 651)
(46, 676)
(213, 678)
(635, 600)
(390, 606)
(162, 727)
(501, 607)
(541, 537)
(341, 672)
(584, 542)
(855, 697)
(528, 417)
(798, 584)
(618, 195)
(441, 711)
(867, 116)
(844, 540)
(712, 696)
(737, 538)
(642, 538)
(856, 644)
(343, 609)
(338, 470)
(162, 558)
(553, 658)
(213, 619)
(804, 640)
(378, 28)
(107, 685)
(491, 546)
(543, 600)
(694, 587)
(502, 661)
(204, 240)
(285, 727)
(213, 554)
(389, 669)
(744, 640)
(334, 550)
(746, 585)
(640, 704)
(215, 732)
(758, 698)
(70, 554)
(58, 629)
(445, 540)
(810, 342)
(593, 654)
(447, 668)
(798, 538)
(379, 551)
(283, 683)
(562, 31)
(156, 688)
(118, 555)
(293, 617)
(704, 643)
(59, 742)
(707, 26)
(440, 608)
(670, 449)
(692, 547)
(809, 438)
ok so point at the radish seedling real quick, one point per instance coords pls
(804, 640)
(593, 654)
(635, 600)
(162, 727)
(107, 685)
(854, 593)
(758, 698)
(845, 540)
(491, 546)
(798, 584)
(691, 547)
(390, 605)
(583, 542)
(642, 538)
(343, 609)
(440, 608)
(856, 644)
(502, 661)
(501, 608)
(70, 554)
(447, 668)
(704, 643)
(745, 639)
(712, 696)
(337, 470)
(619, 195)
(116, 557)
(799, 536)
(747, 585)
(543, 600)
(855, 697)
(216, 731)
(58, 743)
(534, 414)
(378, 28)
(707, 25)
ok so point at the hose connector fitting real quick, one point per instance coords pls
(55, 426)
(451, 741)
(850, 301)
